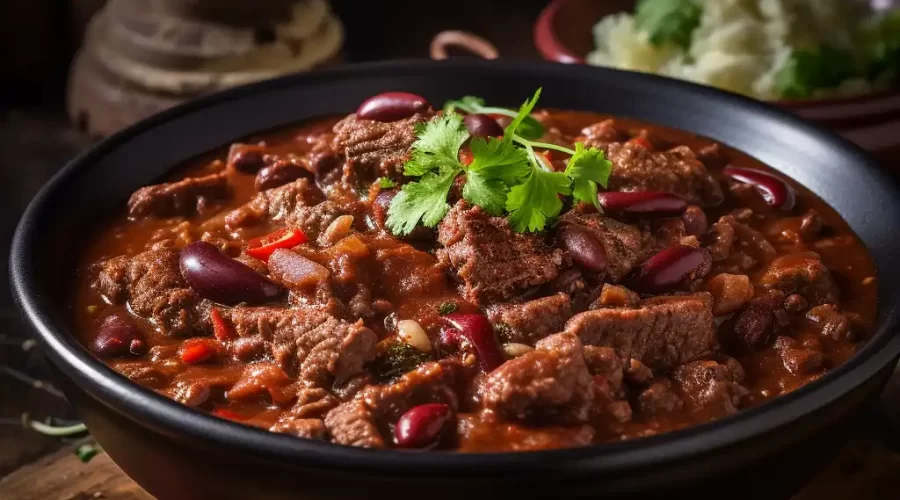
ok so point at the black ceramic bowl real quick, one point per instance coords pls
(175, 452)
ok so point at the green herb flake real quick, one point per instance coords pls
(87, 451)
(668, 21)
(386, 183)
(807, 70)
(448, 307)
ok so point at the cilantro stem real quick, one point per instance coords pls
(544, 145)
(57, 431)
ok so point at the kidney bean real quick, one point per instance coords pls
(482, 125)
(219, 278)
(477, 331)
(116, 336)
(382, 204)
(583, 246)
(642, 202)
(695, 222)
(391, 106)
(279, 174)
(775, 191)
(668, 268)
(246, 158)
(422, 426)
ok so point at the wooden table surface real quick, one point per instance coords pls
(36, 142)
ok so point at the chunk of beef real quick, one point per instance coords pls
(626, 246)
(531, 321)
(320, 349)
(802, 273)
(730, 236)
(662, 332)
(635, 168)
(374, 149)
(493, 262)
(600, 134)
(184, 197)
(710, 384)
(151, 283)
(550, 383)
(307, 428)
(261, 379)
(364, 420)
(829, 321)
(658, 398)
(730, 292)
(277, 205)
(800, 358)
(604, 362)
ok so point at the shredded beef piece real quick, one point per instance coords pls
(710, 384)
(363, 421)
(493, 262)
(152, 285)
(531, 321)
(184, 197)
(802, 273)
(635, 168)
(830, 322)
(320, 349)
(658, 398)
(373, 148)
(277, 204)
(662, 332)
(551, 382)
(728, 234)
(626, 246)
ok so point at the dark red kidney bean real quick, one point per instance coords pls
(754, 325)
(482, 125)
(137, 347)
(695, 222)
(422, 426)
(219, 278)
(115, 337)
(642, 202)
(477, 331)
(668, 268)
(248, 161)
(279, 174)
(775, 191)
(391, 106)
(382, 205)
(583, 246)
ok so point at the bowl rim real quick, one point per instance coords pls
(553, 49)
(167, 417)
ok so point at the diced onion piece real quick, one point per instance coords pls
(514, 349)
(339, 228)
(412, 333)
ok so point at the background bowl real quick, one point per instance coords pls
(175, 452)
(563, 33)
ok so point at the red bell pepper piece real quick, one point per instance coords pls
(221, 329)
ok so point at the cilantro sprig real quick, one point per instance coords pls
(529, 127)
(506, 175)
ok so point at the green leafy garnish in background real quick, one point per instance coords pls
(505, 175)
(883, 46)
(668, 21)
(820, 68)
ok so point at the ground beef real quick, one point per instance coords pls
(185, 197)
(365, 420)
(151, 284)
(551, 383)
(626, 245)
(710, 384)
(493, 262)
(635, 168)
(528, 322)
(600, 134)
(373, 148)
(662, 332)
(308, 343)
(802, 273)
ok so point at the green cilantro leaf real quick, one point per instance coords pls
(487, 193)
(586, 169)
(668, 21)
(524, 112)
(386, 182)
(425, 200)
(498, 159)
(536, 201)
(437, 145)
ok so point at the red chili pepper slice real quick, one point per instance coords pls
(262, 248)
(196, 351)
(221, 329)
(227, 414)
(641, 141)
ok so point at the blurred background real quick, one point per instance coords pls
(76, 70)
